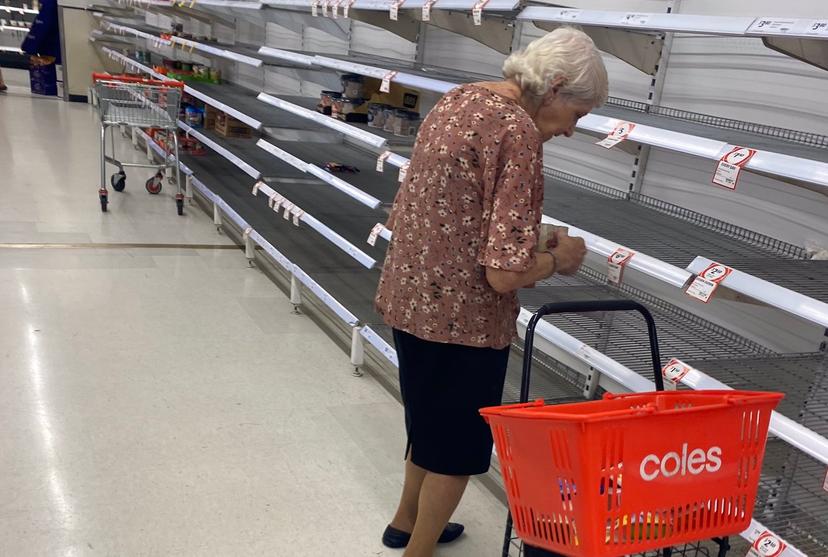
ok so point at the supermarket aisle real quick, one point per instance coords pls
(165, 401)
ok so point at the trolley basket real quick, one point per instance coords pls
(632, 472)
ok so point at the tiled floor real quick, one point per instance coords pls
(158, 402)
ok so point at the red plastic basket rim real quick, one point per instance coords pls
(538, 410)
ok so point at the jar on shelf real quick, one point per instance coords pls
(376, 115)
(390, 116)
(336, 105)
(326, 101)
(349, 106)
(353, 86)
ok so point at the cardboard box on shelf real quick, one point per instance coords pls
(230, 127)
(398, 97)
(210, 115)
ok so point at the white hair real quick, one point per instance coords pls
(565, 53)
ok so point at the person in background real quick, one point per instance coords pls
(465, 226)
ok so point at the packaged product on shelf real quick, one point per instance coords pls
(376, 114)
(210, 114)
(194, 117)
(354, 110)
(353, 86)
(336, 106)
(326, 101)
(230, 127)
(406, 123)
(390, 119)
(215, 75)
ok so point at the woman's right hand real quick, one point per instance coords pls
(569, 252)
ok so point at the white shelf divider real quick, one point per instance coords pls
(737, 26)
(769, 293)
(328, 233)
(343, 128)
(238, 162)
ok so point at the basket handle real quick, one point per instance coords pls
(585, 307)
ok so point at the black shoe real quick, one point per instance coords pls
(396, 539)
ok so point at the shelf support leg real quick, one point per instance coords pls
(357, 350)
(295, 294)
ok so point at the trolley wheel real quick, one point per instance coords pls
(179, 204)
(154, 184)
(104, 201)
(118, 181)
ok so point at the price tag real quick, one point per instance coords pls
(246, 233)
(347, 8)
(817, 27)
(297, 215)
(616, 264)
(385, 86)
(288, 208)
(335, 9)
(571, 15)
(394, 13)
(825, 483)
(772, 26)
(617, 135)
(674, 372)
(403, 172)
(477, 11)
(730, 166)
(315, 8)
(767, 545)
(427, 9)
(635, 19)
(375, 232)
(324, 8)
(704, 285)
(256, 188)
(381, 161)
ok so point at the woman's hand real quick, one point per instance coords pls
(564, 259)
(569, 252)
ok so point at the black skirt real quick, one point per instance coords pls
(443, 388)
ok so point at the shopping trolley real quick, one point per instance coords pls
(143, 103)
(632, 473)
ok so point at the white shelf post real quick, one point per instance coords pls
(357, 350)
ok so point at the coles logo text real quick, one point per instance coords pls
(687, 462)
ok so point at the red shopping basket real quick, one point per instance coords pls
(632, 472)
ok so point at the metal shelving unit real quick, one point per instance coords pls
(789, 501)
(353, 286)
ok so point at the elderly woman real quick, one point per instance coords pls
(466, 238)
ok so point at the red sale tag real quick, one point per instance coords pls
(375, 232)
(730, 166)
(394, 13)
(477, 11)
(617, 135)
(427, 9)
(381, 161)
(703, 287)
(616, 264)
(385, 86)
(403, 172)
(674, 372)
(767, 545)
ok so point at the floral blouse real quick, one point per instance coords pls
(472, 199)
